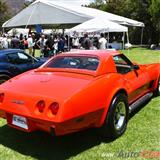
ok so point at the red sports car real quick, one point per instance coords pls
(78, 90)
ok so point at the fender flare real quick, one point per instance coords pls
(109, 101)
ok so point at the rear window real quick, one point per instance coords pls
(80, 62)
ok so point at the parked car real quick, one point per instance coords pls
(14, 62)
(79, 90)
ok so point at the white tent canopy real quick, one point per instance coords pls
(99, 24)
(92, 12)
(55, 12)
(18, 31)
(43, 12)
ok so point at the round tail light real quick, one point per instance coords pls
(41, 105)
(1, 97)
(54, 107)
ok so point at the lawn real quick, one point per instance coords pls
(140, 141)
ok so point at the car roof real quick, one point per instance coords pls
(5, 51)
(99, 53)
(106, 64)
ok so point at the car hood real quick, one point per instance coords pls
(46, 84)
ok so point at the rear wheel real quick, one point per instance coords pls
(157, 91)
(3, 78)
(117, 118)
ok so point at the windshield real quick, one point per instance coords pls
(77, 62)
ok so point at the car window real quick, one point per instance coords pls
(123, 64)
(77, 62)
(18, 58)
(119, 60)
(22, 56)
(12, 57)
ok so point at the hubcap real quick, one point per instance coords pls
(120, 115)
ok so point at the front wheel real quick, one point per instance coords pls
(117, 117)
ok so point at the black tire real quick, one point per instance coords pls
(3, 78)
(156, 93)
(110, 129)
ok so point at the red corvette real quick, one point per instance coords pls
(79, 90)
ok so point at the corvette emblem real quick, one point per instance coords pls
(17, 101)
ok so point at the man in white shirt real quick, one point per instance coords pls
(4, 42)
(30, 44)
(41, 43)
(102, 42)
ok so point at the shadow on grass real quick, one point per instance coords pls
(42, 146)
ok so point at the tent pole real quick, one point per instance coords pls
(142, 36)
(30, 17)
(63, 30)
(123, 39)
(127, 37)
(127, 40)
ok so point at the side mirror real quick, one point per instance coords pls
(135, 67)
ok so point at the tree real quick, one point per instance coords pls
(97, 4)
(27, 3)
(154, 11)
(147, 11)
(4, 14)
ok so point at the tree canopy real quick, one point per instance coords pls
(4, 14)
(146, 11)
(154, 10)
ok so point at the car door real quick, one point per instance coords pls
(19, 62)
(136, 78)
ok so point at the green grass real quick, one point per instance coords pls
(143, 133)
(142, 55)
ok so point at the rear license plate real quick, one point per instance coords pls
(20, 121)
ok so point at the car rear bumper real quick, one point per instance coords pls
(55, 128)
(32, 124)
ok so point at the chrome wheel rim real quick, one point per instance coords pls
(159, 86)
(120, 115)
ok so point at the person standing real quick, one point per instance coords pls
(55, 45)
(75, 42)
(34, 44)
(4, 42)
(41, 43)
(102, 42)
(86, 43)
(30, 44)
(25, 42)
(15, 42)
(50, 45)
(61, 43)
(21, 41)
